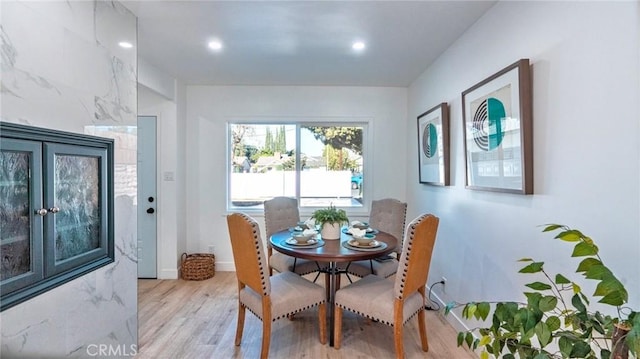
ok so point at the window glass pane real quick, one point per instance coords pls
(15, 241)
(263, 163)
(77, 195)
(332, 166)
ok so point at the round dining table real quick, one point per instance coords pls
(332, 252)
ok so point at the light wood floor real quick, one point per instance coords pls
(197, 319)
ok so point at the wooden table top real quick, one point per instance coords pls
(332, 250)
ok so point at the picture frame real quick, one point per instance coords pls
(433, 146)
(498, 131)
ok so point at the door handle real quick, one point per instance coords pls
(150, 210)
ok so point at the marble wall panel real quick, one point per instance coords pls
(62, 69)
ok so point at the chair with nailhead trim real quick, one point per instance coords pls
(268, 297)
(394, 303)
(282, 213)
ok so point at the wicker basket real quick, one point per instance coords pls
(198, 266)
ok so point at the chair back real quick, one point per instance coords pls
(413, 268)
(248, 254)
(389, 215)
(280, 213)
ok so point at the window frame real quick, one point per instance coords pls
(364, 122)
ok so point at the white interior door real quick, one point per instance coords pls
(147, 200)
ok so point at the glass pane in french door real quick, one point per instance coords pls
(77, 198)
(15, 236)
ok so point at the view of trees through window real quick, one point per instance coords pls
(319, 164)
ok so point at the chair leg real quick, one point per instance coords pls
(240, 327)
(337, 327)
(423, 331)
(398, 317)
(266, 338)
(397, 338)
(322, 319)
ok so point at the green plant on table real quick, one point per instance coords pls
(330, 214)
(555, 321)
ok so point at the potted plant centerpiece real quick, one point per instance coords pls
(556, 320)
(330, 220)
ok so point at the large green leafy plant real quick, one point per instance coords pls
(330, 214)
(555, 321)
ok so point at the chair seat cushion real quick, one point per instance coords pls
(372, 297)
(290, 293)
(284, 263)
(382, 269)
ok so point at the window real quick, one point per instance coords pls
(56, 213)
(317, 163)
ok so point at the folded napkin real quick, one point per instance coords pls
(309, 232)
(358, 232)
(311, 223)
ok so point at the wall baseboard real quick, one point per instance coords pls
(168, 274)
(225, 266)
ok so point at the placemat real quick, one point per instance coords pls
(364, 249)
(319, 244)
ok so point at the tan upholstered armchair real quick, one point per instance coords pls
(387, 215)
(395, 303)
(282, 213)
(268, 297)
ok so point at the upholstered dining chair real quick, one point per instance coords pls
(394, 302)
(268, 297)
(387, 215)
(281, 213)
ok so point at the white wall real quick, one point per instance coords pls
(209, 108)
(586, 68)
(62, 68)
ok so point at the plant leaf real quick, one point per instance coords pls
(616, 298)
(543, 333)
(607, 285)
(548, 303)
(553, 323)
(484, 355)
(576, 288)
(560, 279)
(577, 303)
(565, 346)
(483, 310)
(570, 235)
(449, 307)
(534, 267)
(525, 260)
(538, 286)
(584, 249)
(552, 227)
(587, 263)
(460, 338)
(469, 339)
(597, 272)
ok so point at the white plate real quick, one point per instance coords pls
(293, 242)
(372, 244)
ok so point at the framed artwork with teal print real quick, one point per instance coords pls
(433, 146)
(498, 131)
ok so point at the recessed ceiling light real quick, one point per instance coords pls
(215, 45)
(358, 46)
(125, 44)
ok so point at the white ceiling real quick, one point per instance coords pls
(299, 42)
